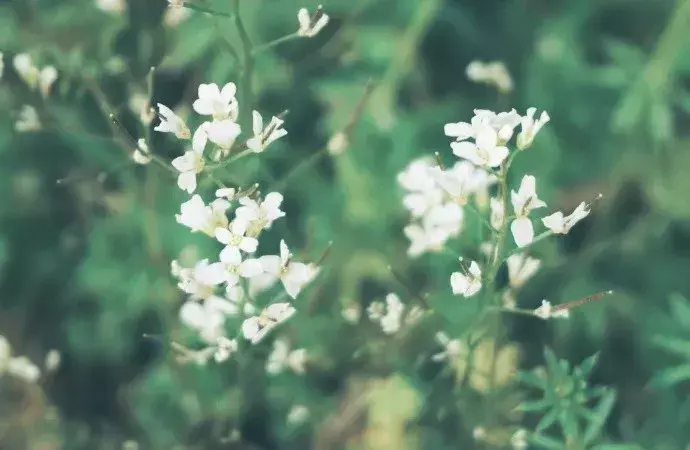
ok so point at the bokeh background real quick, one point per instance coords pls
(85, 262)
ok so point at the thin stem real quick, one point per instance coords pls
(536, 240)
(274, 43)
(226, 43)
(485, 222)
(247, 48)
(229, 161)
(203, 9)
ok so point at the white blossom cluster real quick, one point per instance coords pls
(36, 79)
(18, 366)
(236, 220)
(437, 198)
(392, 314)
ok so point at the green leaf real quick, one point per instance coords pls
(532, 379)
(546, 442)
(548, 420)
(588, 365)
(538, 405)
(599, 416)
(680, 307)
(677, 346)
(672, 376)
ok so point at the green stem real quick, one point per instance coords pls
(274, 43)
(540, 237)
(229, 161)
(247, 49)
(203, 9)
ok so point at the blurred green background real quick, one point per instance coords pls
(84, 263)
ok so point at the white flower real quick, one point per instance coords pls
(309, 26)
(298, 414)
(197, 216)
(294, 275)
(142, 154)
(216, 102)
(46, 79)
(175, 14)
(112, 6)
(263, 137)
(376, 310)
(25, 68)
(452, 348)
(531, 127)
(351, 313)
(519, 439)
(22, 367)
(492, 73)
(467, 283)
(524, 200)
(189, 165)
(559, 224)
(283, 357)
(171, 123)
(425, 239)
(485, 151)
(416, 177)
(224, 349)
(27, 120)
(233, 236)
(392, 320)
(503, 123)
(521, 268)
(231, 267)
(260, 216)
(199, 281)
(227, 193)
(547, 311)
(223, 133)
(255, 328)
(208, 322)
(52, 361)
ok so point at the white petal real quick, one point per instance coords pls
(523, 231)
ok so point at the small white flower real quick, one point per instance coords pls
(46, 78)
(224, 349)
(351, 313)
(22, 367)
(376, 310)
(26, 69)
(222, 132)
(503, 123)
(298, 414)
(260, 216)
(208, 322)
(263, 137)
(424, 238)
(547, 311)
(309, 26)
(189, 165)
(27, 120)
(5, 353)
(175, 14)
(560, 224)
(52, 361)
(257, 327)
(197, 216)
(467, 283)
(491, 73)
(531, 127)
(521, 268)
(233, 236)
(519, 440)
(216, 102)
(171, 123)
(232, 267)
(112, 6)
(142, 154)
(293, 275)
(392, 320)
(283, 357)
(485, 151)
(226, 193)
(452, 348)
(199, 281)
(524, 201)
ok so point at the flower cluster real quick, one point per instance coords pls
(236, 220)
(37, 79)
(20, 366)
(438, 199)
(392, 314)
